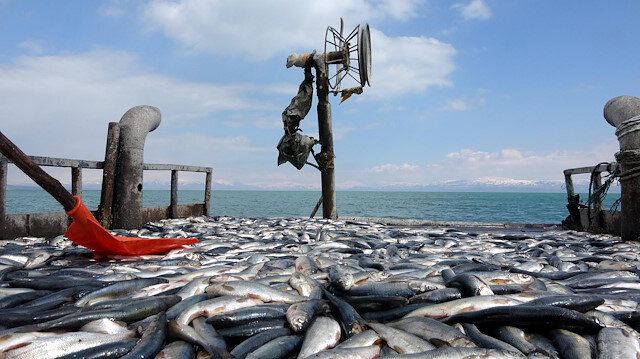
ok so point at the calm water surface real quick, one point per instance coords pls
(441, 206)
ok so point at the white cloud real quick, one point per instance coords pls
(116, 8)
(340, 130)
(457, 104)
(200, 149)
(470, 156)
(258, 30)
(33, 46)
(261, 29)
(474, 10)
(222, 153)
(60, 105)
(504, 181)
(110, 11)
(408, 64)
(398, 9)
(506, 167)
(514, 163)
(223, 182)
(467, 103)
(394, 168)
(271, 121)
(67, 100)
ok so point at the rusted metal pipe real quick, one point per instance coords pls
(315, 208)
(573, 203)
(623, 112)
(134, 126)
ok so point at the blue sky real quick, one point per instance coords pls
(476, 90)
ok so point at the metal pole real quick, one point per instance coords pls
(573, 202)
(326, 156)
(315, 208)
(597, 183)
(623, 112)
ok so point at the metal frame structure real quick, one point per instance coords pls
(601, 219)
(292, 148)
(339, 53)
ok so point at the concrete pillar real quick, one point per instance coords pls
(173, 206)
(623, 112)
(108, 174)
(207, 194)
(127, 201)
(3, 193)
(76, 181)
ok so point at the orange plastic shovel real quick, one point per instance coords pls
(85, 230)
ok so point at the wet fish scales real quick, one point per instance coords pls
(110, 350)
(136, 311)
(251, 344)
(177, 350)
(274, 259)
(251, 328)
(215, 343)
(301, 315)
(152, 341)
(486, 341)
(277, 348)
(529, 316)
(246, 315)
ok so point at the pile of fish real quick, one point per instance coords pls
(301, 288)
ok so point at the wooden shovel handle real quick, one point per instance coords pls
(31, 169)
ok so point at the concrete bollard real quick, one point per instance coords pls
(127, 201)
(623, 112)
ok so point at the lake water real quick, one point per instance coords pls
(440, 206)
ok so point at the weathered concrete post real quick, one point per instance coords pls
(173, 207)
(3, 192)
(108, 174)
(623, 112)
(76, 181)
(134, 126)
(207, 193)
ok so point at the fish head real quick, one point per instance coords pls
(298, 322)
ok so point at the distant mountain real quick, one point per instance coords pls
(18, 186)
(475, 185)
(497, 185)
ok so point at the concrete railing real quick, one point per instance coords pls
(54, 223)
(121, 194)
